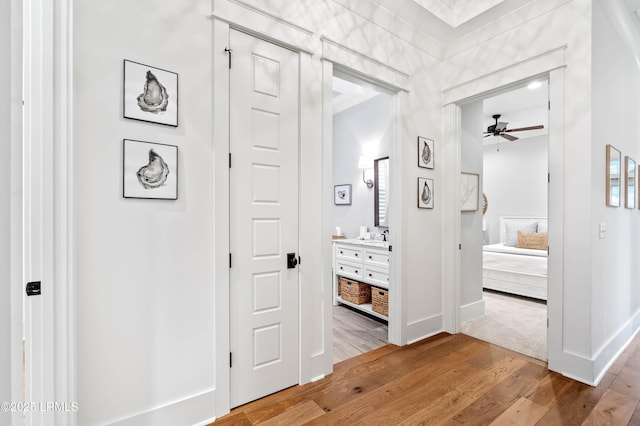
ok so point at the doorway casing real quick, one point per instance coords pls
(550, 65)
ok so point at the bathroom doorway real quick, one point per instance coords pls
(363, 131)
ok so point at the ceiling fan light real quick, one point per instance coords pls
(534, 85)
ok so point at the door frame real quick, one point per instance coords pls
(46, 187)
(550, 65)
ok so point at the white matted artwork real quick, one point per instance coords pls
(150, 170)
(425, 153)
(469, 191)
(425, 193)
(342, 194)
(150, 94)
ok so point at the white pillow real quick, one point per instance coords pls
(511, 231)
(542, 226)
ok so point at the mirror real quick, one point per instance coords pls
(381, 191)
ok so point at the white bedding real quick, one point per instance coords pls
(515, 270)
(501, 248)
(519, 263)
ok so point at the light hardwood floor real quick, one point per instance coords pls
(355, 334)
(453, 380)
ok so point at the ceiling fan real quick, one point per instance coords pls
(500, 129)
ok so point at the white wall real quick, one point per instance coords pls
(144, 275)
(471, 222)
(515, 181)
(363, 130)
(614, 267)
(5, 210)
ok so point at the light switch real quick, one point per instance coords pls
(603, 230)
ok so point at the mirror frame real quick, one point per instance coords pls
(376, 200)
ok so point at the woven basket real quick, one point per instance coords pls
(380, 301)
(354, 291)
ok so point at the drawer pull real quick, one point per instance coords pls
(341, 268)
(370, 275)
(370, 257)
(355, 254)
(356, 272)
(341, 252)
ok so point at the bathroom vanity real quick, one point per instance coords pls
(365, 261)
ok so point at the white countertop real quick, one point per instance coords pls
(369, 243)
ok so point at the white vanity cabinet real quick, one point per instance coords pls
(364, 261)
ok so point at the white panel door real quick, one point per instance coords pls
(263, 218)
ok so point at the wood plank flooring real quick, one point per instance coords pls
(355, 333)
(451, 380)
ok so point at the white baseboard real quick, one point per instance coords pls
(471, 311)
(611, 350)
(198, 410)
(422, 329)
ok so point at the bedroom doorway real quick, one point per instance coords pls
(504, 272)
(363, 130)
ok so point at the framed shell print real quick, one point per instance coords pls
(150, 170)
(425, 153)
(342, 195)
(630, 182)
(425, 193)
(150, 94)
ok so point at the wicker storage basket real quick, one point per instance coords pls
(354, 291)
(380, 301)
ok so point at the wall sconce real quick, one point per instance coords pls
(366, 163)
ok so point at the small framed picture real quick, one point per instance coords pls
(469, 192)
(150, 94)
(150, 170)
(342, 195)
(425, 193)
(425, 153)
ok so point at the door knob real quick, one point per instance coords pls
(292, 260)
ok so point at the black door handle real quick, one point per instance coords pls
(292, 260)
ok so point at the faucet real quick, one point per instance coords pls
(385, 234)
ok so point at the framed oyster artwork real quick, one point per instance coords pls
(150, 170)
(342, 195)
(425, 153)
(150, 94)
(425, 193)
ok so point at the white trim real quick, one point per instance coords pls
(390, 77)
(423, 329)
(260, 23)
(16, 219)
(181, 412)
(220, 78)
(503, 78)
(471, 311)
(611, 350)
(451, 218)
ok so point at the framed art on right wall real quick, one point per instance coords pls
(613, 176)
(630, 182)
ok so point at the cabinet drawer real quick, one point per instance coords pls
(349, 269)
(376, 276)
(349, 253)
(377, 258)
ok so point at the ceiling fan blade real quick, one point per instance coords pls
(509, 137)
(520, 129)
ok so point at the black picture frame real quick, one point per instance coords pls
(425, 193)
(149, 94)
(426, 153)
(149, 170)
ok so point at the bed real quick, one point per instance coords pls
(512, 266)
